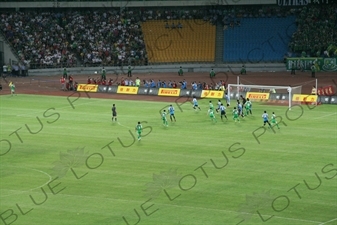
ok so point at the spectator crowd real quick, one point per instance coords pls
(113, 37)
(316, 31)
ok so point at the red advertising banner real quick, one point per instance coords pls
(326, 91)
(329, 90)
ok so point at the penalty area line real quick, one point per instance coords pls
(328, 221)
(325, 116)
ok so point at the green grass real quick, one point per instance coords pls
(250, 176)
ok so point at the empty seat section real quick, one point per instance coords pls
(258, 39)
(195, 42)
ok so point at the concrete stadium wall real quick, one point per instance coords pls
(8, 54)
(226, 68)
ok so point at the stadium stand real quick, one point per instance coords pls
(194, 42)
(138, 36)
(258, 39)
(317, 29)
(38, 39)
(52, 39)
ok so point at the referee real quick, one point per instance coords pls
(114, 112)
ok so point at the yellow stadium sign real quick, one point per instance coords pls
(169, 92)
(127, 90)
(87, 87)
(304, 98)
(212, 94)
(257, 96)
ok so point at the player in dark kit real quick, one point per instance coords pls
(243, 100)
(114, 112)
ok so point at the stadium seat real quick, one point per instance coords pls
(254, 33)
(189, 44)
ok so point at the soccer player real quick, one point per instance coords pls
(247, 108)
(139, 129)
(240, 111)
(223, 112)
(249, 103)
(195, 104)
(211, 105)
(273, 120)
(12, 87)
(114, 112)
(163, 116)
(219, 104)
(211, 114)
(171, 111)
(243, 100)
(265, 119)
(227, 100)
(236, 115)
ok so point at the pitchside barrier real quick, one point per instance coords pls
(281, 98)
(153, 91)
(103, 89)
(112, 89)
(209, 94)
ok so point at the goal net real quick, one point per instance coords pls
(234, 91)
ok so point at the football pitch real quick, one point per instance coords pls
(63, 161)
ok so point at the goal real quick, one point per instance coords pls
(235, 90)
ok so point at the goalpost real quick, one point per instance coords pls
(242, 88)
(238, 88)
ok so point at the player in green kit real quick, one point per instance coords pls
(247, 107)
(211, 105)
(163, 116)
(273, 120)
(211, 115)
(139, 129)
(12, 87)
(236, 115)
(249, 103)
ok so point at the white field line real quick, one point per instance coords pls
(328, 221)
(325, 116)
(20, 192)
(123, 125)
